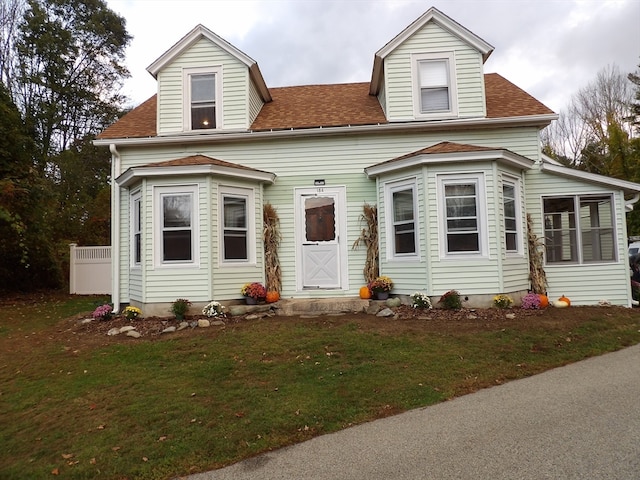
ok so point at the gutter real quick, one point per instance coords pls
(628, 204)
(380, 128)
(115, 228)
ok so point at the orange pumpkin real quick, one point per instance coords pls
(544, 300)
(365, 293)
(272, 296)
(565, 299)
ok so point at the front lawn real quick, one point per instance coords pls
(83, 405)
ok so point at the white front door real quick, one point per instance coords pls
(319, 223)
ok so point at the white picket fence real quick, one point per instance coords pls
(89, 270)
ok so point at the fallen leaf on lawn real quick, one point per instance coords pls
(67, 456)
(100, 427)
(162, 438)
(145, 459)
(92, 461)
(55, 471)
(239, 414)
(115, 449)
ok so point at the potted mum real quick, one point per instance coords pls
(381, 287)
(253, 292)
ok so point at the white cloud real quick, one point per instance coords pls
(549, 48)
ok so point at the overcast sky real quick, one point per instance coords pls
(550, 48)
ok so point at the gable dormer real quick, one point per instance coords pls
(432, 70)
(206, 85)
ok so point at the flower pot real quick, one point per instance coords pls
(382, 295)
(251, 300)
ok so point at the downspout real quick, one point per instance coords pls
(115, 228)
(628, 204)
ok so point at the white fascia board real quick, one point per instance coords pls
(503, 156)
(189, 39)
(133, 174)
(413, 126)
(444, 21)
(628, 187)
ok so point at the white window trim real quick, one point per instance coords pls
(186, 108)
(249, 195)
(483, 235)
(389, 189)
(580, 260)
(135, 197)
(519, 227)
(158, 193)
(416, 58)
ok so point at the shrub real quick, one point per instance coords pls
(451, 300)
(421, 300)
(531, 301)
(180, 307)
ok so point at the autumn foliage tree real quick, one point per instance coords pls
(62, 68)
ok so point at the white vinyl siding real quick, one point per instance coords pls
(234, 87)
(433, 40)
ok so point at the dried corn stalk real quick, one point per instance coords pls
(369, 237)
(271, 237)
(536, 272)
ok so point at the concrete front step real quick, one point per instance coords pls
(320, 306)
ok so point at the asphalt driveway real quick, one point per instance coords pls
(581, 421)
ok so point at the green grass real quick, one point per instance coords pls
(158, 409)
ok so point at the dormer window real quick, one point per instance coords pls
(203, 101)
(202, 109)
(435, 92)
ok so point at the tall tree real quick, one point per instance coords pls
(634, 78)
(69, 70)
(588, 133)
(28, 259)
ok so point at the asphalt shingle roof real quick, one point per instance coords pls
(313, 106)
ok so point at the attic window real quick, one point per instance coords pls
(203, 101)
(434, 85)
(202, 98)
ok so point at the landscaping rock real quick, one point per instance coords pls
(510, 316)
(385, 312)
(204, 323)
(182, 326)
(113, 332)
(84, 321)
(393, 302)
(217, 323)
(169, 329)
(126, 329)
(134, 334)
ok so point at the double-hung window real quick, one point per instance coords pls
(236, 219)
(462, 214)
(136, 229)
(177, 232)
(579, 229)
(510, 206)
(434, 85)
(402, 229)
(202, 98)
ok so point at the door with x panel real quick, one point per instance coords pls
(319, 236)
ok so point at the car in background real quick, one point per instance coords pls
(634, 248)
